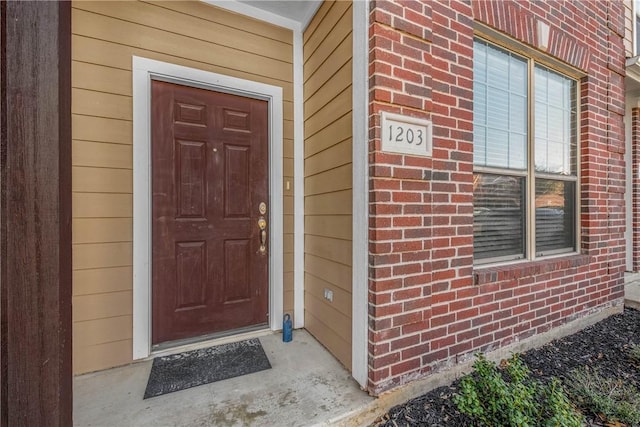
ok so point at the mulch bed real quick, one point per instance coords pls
(603, 346)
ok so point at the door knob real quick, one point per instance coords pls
(262, 225)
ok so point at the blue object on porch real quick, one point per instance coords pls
(287, 328)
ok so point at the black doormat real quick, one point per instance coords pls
(193, 368)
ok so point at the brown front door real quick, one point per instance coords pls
(209, 177)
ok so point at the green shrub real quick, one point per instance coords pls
(559, 411)
(634, 353)
(512, 399)
(611, 397)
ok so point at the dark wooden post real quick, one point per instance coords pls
(35, 214)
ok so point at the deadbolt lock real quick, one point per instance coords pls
(262, 208)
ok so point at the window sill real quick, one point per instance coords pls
(492, 274)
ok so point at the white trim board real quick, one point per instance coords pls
(360, 153)
(298, 180)
(255, 13)
(144, 70)
(266, 16)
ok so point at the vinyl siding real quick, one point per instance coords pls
(628, 28)
(105, 36)
(328, 176)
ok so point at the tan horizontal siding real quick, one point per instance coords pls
(102, 205)
(329, 181)
(328, 113)
(102, 331)
(102, 155)
(96, 357)
(102, 306)
(629, 21)
(154, 16)
(336, 321)
(100, 104)
(132, 34)
(287, 167)
(288, 264)
(331, 135)
(288, 244)
(101, 180)
(113, 55)
(333, 272)
(287, 148)
(332, 249)
(328, 176)
(102, 255)
(336, 203)
(102, 280)
(105, 37)
(288, 203)
(288, 223)
(101, 78)
(332, 157)
(339, 347)
(228, 19)
(287, 304)
(334, 226)
(331, 20)
(99, 230)
(332, 88)
(288, 128)
(100, 129)
(313, 25)
(341, 298)
(336, 60)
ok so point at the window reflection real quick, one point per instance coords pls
(498, 216)
(554, 215)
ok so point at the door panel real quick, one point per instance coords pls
(237, 255)
(237, 196)
(209, 175)
(191, 169)
(191, 275)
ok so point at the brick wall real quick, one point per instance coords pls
(428, 306)
(635, 194)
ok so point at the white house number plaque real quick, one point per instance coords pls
(406, 135)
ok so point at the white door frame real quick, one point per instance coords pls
(145, 70)
(360, 165)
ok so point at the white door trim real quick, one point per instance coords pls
(298, 180)
(144, 70)
(360, 254)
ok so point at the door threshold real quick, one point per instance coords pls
(181, 346)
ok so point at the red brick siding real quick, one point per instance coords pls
(428, 306)
(635, 192)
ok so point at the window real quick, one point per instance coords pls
(525, 157)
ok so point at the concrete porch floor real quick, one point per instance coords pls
(305, 386)
(632, 290)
